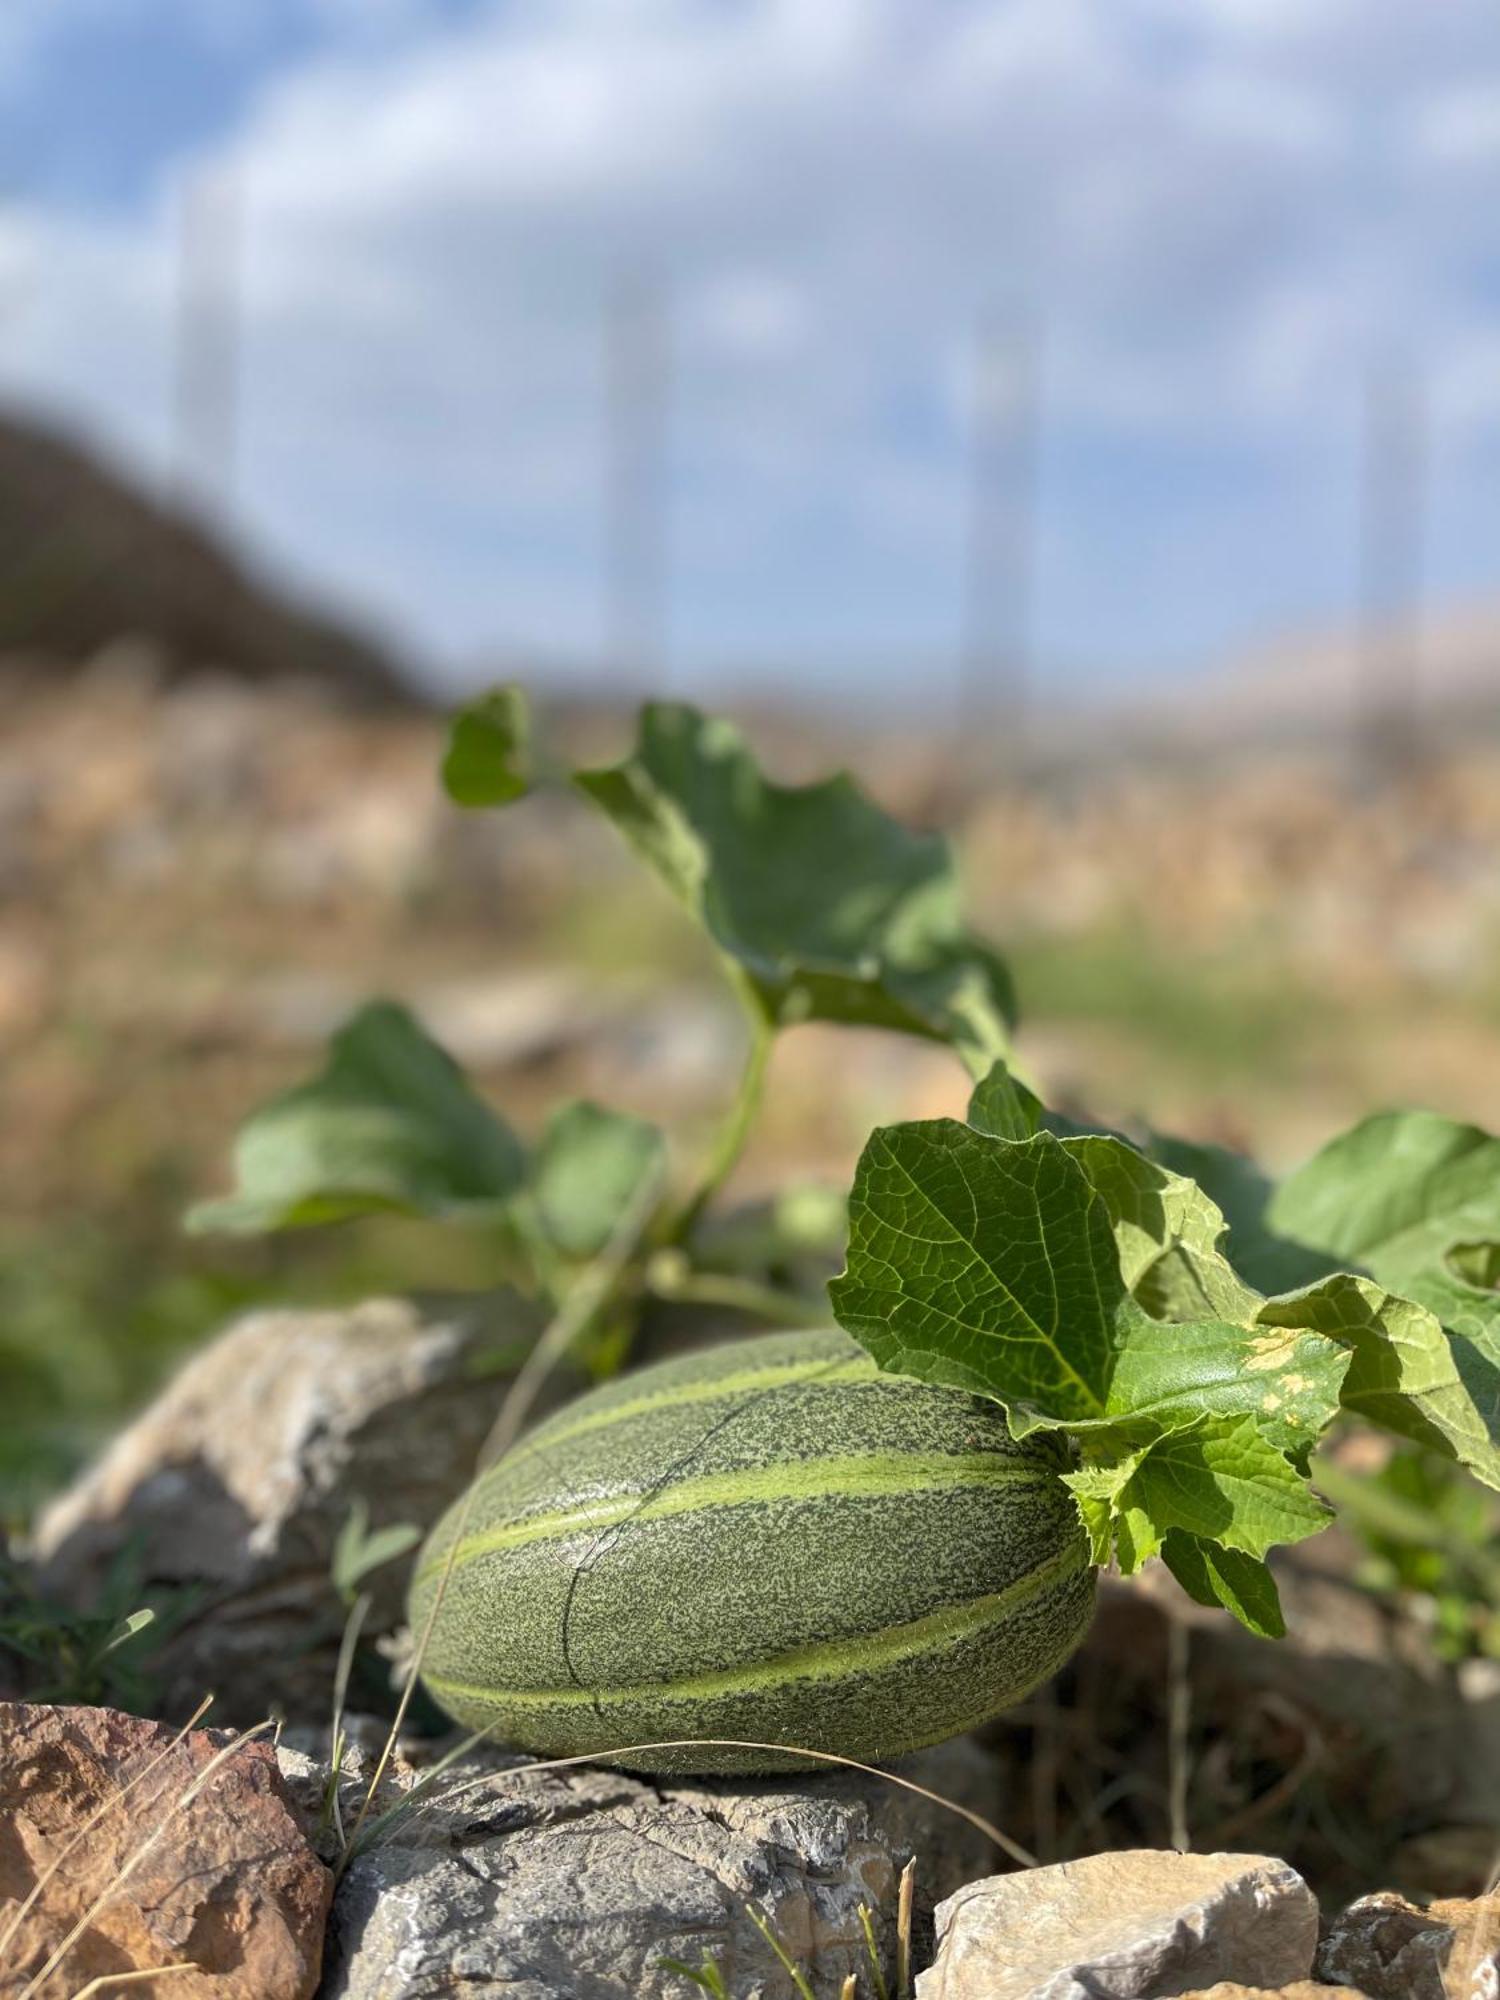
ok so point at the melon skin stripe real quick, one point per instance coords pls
(771, 1540)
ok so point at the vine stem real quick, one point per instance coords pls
(729, 1142)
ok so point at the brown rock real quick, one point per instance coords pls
(1392, 1950)
(196, 1864)
(235, 1483)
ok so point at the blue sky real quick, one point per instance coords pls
(1210, 215)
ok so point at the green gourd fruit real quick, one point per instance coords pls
(770, 1541)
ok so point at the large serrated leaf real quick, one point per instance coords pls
(1395, 1194)
(994, 1266)
(1169, 1235)
(389, 1125)
(1213, 1576)
(827, 907)
(1005, 1266)
(1222, 1482)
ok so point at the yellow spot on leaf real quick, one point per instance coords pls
(1271, 1350)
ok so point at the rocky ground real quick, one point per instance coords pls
(1339, 1792)
(196, 882)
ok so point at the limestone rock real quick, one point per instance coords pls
(1392, 1950)
(234, 1485)
(576, 1885)
(1300, 1989)
(1128, 1925)
(220, 1878)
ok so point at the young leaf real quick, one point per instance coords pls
(489, 747)
(1219, 1481)
(1003, 1107)
(586, 1172)
(358, 1550)
(827, 908)
(1214, 1576)
(389, 1124)
(129, 1627)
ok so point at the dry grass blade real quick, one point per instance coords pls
(107, 1982)
(590, 1290)
(184, 1798)
(848, 1990)
(903, 1929)
(1291, 1781)
(353, 1625)
(1179, 1720)
(1003, 1841)
(59, 1860)
(369, 1834)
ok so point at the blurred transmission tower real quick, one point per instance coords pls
(1393, 478)
(205, 403)
(638, 398)
(995, 662)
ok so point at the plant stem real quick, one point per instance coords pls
(729, 1142)
(667, 1279)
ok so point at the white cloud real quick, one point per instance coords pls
(833, 196)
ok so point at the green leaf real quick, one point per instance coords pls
(993, 1266)
(707, 1976)
(1235, 1186)
(1219, 1481)
(129, 1627)
(826, 907)
(1005, 1267)
(587, 1172)
(1242, 1193)
(1002, 1107)
(1216, 1576)
(1395, 1194)
(1168, 1233)
(1414, 1198)
(489, 750)
(358, 1550)
(390, 1124)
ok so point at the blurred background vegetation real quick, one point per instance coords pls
(201, 873)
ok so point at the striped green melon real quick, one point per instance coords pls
(771, 1541)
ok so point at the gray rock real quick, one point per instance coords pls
(575, 1885)
(233, 1486)
(1129, 1925)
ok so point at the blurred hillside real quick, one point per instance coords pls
(86, 556)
